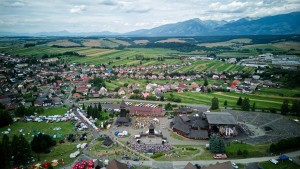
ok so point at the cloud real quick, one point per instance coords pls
(138, 10)
(108, 3)
(17, 4)
(234, 6)
(77, 9)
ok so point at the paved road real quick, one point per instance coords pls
(144, 101)
(181, 164)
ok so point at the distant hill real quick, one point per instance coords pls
(270, 25)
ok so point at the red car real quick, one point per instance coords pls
(220, 156)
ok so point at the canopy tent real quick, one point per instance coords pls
(283, 157)
(155, 119)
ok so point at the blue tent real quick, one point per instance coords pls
(116, 133)
(283, 157)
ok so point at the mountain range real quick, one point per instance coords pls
(269, 25)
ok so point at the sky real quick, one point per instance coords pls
(32, 16)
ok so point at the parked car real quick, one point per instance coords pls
(125, 157)
(135, 159)
(220, 156)
(234, 165)
(274, 161)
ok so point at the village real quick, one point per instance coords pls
(48, 82)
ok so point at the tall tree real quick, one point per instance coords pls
(83, 106)
(205, 82)
(99, 107)
(214, 103)
(253, 106)
(216, 144)
(5, 152)
(285, 107)
(239, 101)
(246, 104)
(295, 109)
(225, 104)
(5, 118)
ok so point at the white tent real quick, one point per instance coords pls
(125, 133)
(155, 119)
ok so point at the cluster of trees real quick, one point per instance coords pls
(28, 45)
(172, 98)
(214, 103)
(97, 82)
(285, 144)
(41, 143)
(94, 111)
(168, 106)
(216, 144)
(245, 104)
(69, 53)
(14, 153)
(5, 117)
(295, 109)
(23, 111)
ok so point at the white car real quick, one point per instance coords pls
(273, 161)
(234, 165)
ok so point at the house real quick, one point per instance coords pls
(103, 91)
(225, 165)
(76, 96)
(5, 99)
(215, 77)
(121, 91)
(47, 102)
(115, 164)
(145, 111)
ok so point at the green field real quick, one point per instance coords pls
(261, 101)
(60, 151)
(281, 165)
(204, 65)
(253, 150)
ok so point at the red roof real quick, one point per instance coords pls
(145, 111)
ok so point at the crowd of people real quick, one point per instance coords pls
(144, 122)
(154, 147)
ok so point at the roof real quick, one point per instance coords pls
(145, 111)
(225, 165)
(151, 126)
(115, 164)
(220, 118)
(190, 166)
(203, 134)
(107, 141)
(123, 105)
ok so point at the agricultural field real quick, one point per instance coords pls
(261, 101)
(204, 65)
(179, 40)
(232, 42)
(141, 41)
(65, 43)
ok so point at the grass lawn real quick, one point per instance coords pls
(32, 128)
(262, 101)
(283, 92)
(281, 165)
(179, 153)
(55, 111)
(60, 151)
(253, 150)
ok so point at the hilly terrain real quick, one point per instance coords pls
(282, 24)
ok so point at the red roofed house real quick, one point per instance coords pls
(145, 111)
